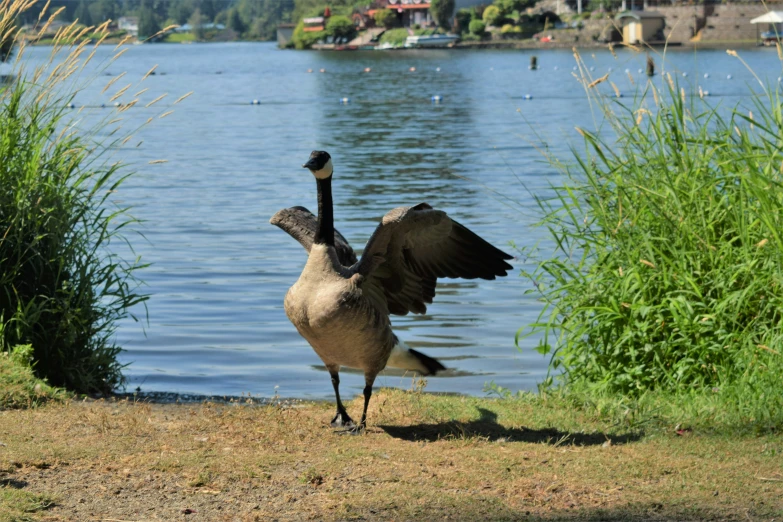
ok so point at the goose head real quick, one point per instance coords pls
(320, 164)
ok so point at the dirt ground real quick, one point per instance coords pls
(422, 458)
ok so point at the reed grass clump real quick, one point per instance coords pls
(667, 273)
(62, 288)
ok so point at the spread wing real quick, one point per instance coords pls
(301, 224)
(414, 246)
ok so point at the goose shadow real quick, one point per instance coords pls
(486, 426)
(13, 483)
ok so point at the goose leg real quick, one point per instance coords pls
(356, 430)
(341, 418)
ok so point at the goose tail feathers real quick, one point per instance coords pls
(406, 358)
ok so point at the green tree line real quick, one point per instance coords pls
(249, 19)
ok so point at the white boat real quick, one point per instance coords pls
(431, 40)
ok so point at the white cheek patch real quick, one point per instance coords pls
(325, 172)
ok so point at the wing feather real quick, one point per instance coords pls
(301, 224)
(414, 246)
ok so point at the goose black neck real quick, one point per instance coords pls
(325, 233)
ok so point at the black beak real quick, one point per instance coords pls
(310, 164)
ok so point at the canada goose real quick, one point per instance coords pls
(342, 306)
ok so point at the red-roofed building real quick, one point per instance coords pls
(411, 12)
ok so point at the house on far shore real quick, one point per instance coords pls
(641, 26)
(315, 23)
(285, 32)
(413, 12)
(129, 24)
(410, 12)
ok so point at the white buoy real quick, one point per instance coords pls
(705, 93)
(116, 104)
(609, 69)
(71, 106)
(684, 74)
(618, 95)
(436, 99)
(592, 68)
(345, 101)
(706, 75)
(780, 79)
(255, 102)
(628, 70)
(555, 67)
(528, 96)
(728, 77)
(575, 67)
(412, 69)
(437, 69)
(640, 71)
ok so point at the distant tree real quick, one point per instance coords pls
(181, 10)
(103, 10)
(340, 28)
(196, 22)
(258, 31)
(442, 11)
(83, 13)
(477, 27)
(234, 21)
(493, 15)
(210, 8)
(463, 18)
(148, 22)
(509, 6)
(385, 18)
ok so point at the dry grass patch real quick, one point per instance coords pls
(424, 458)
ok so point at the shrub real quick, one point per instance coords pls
(61, 287)
(668, 269)
(510, 29)
(394, 36)
(492, 15)
(477, 27)
(463, 18)
(385, 18)
(340, 28)
(442, 11)
(19, 388)
(305, 39)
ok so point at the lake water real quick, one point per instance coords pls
(220, 271)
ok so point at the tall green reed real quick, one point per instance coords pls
(667, 272)
(62, 286)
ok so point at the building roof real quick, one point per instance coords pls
(639, 15)
(314, 20)
(772, 17)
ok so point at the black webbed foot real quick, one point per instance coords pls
(342, 420)
(356, 429)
